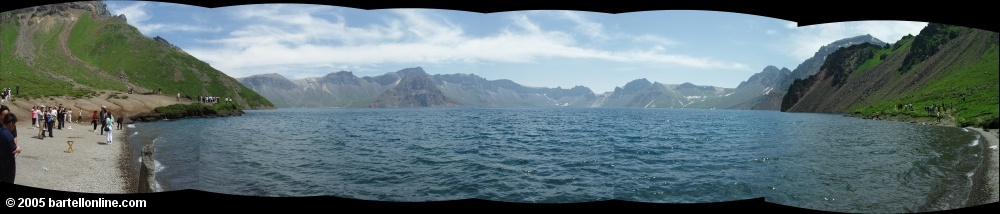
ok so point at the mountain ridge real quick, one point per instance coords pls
(466, 89)
(958, 81)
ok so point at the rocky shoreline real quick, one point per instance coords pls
(181, 111)
(985, 184)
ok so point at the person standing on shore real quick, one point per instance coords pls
(120, 120)
(34, 116)
(102, 117)
(41, 122)
(50, 118)
(108, 128)
(79, 116)
(94, 121)
(69, 115)
(9, 121)
(60, 117)
(38, 111)
(8, 148)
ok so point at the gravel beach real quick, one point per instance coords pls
(986, 187)
(93, 167)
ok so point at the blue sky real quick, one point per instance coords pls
(534, 48)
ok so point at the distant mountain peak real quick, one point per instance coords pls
(271, 75)
(636, 85)
(412, 71)
(867, 38)
(341, 73)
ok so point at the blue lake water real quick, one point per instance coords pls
(564, 155)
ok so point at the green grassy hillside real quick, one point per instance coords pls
(23, 72)
(968, 88)
(60, 57)
(972, 91)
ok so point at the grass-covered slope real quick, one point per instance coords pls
(62, 51)
(943, 66)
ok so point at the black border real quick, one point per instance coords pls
(975, 15)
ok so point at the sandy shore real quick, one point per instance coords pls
(986, 186)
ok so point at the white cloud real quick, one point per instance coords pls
(590, 28)
(654, 39)
(771, 32)
(300, 38)
(137, 15)
(134, 13)
(804, 41)
(524, 23)
(152, 28)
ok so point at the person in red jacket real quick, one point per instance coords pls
(94, 121)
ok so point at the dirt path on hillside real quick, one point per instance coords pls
(64, 45)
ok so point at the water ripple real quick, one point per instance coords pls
(818, 161)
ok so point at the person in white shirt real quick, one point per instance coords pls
(41, 117)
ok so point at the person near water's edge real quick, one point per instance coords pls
(119, 120)
(108, 128)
